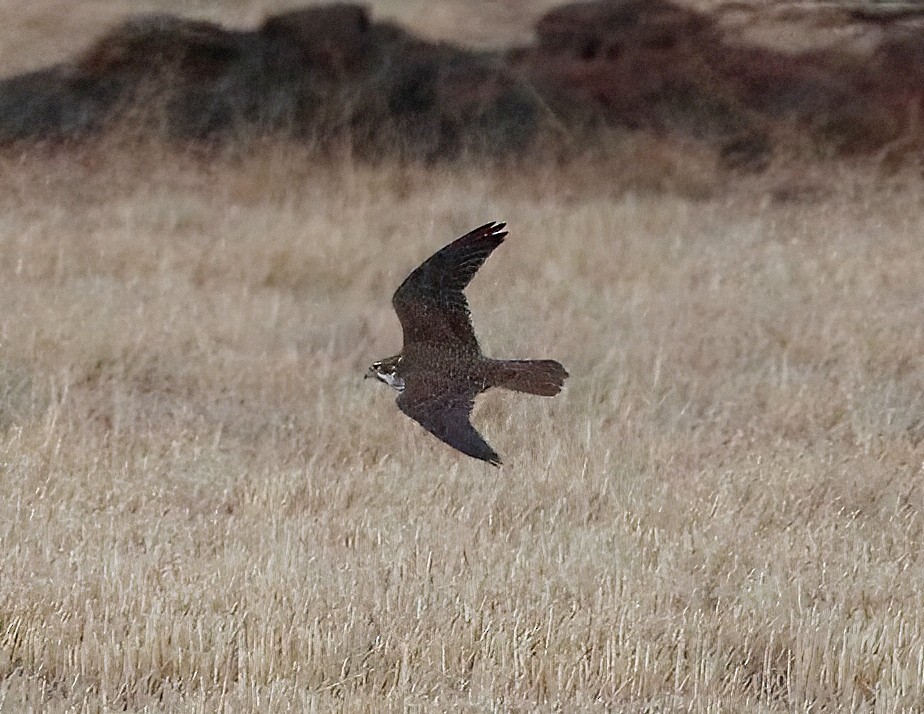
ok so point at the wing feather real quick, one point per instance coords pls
(444, 410)
(430, 303)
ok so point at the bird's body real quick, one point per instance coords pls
(441, 369)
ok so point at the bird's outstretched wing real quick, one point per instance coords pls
(443, 408)
(430, 303)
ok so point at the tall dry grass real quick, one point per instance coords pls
(206, 509)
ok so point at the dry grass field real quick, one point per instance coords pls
(206, 509)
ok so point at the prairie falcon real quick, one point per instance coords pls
(441, 369)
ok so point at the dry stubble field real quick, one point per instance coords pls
(205, 508)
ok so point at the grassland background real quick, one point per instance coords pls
(206, 509)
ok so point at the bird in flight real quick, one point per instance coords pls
(440, 369)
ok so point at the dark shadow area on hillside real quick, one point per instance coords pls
(331, 74)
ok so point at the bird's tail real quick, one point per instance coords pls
(544, 377)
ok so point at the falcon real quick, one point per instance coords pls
(440, 369)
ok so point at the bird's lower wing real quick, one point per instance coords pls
(445, 414)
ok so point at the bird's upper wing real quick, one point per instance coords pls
(443, 409)
(430, 303)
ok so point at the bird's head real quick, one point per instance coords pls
(386, 370)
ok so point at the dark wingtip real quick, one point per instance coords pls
(493, 229)
(489, 457)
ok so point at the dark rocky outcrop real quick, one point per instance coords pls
(656, 66)
(331, 73)
(318, 73)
